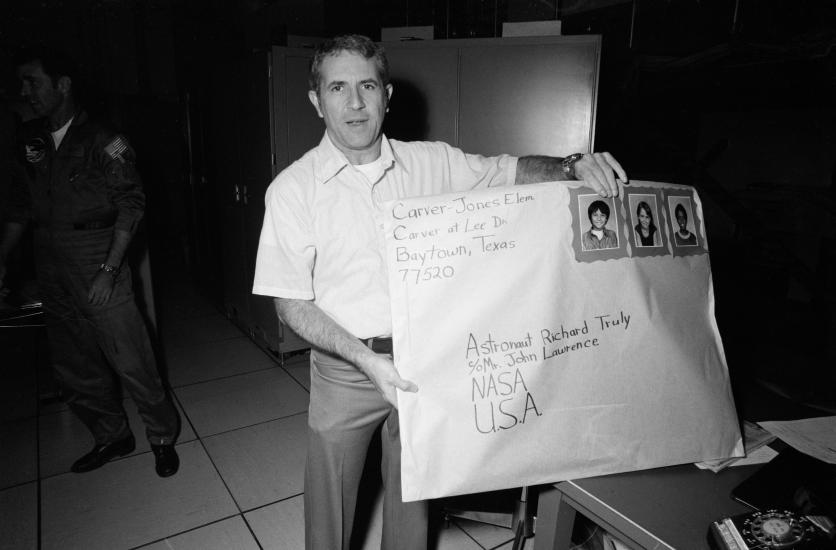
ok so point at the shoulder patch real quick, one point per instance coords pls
(35, 150)
(115, 148)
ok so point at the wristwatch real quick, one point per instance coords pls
(107, 268)
(568, 164)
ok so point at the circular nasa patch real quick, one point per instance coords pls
(35, 150)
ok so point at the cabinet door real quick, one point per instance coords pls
(533, 95)
(228, 187)
(424, 105)
(255, 142)
(296, 128)
(527, 99)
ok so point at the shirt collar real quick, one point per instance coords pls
(79, 117)
(331, 161)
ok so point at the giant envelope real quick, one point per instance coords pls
(544, 352)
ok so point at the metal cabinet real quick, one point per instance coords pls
(252, 122)
(522, 96)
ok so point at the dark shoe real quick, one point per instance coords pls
(101, 454)
(167, 461)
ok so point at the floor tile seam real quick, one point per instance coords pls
(111, 461)
(501, 544)
(18, 484)
(280, 363)
(175, 327)
(259, 423)
(200, 439)
(471, 537)
(181, 349)
(266, 351)
(178, 319)
(144, 544)
(125, 397)
(301, 385)
(167, 349)
(271, 503)
(188, 419)
(209, 457)
(252, 531)
(223, 377)
(509, 544)
(65, 408)
(220, 476)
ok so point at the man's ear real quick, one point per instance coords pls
(388, 95)
(65, 84)
(314, 98)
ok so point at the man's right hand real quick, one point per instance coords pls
(311, 323)
(382, 372)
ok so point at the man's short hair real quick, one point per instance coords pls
(54, 63)
(598, 205)
(354, 43)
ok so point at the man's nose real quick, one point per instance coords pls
(356, 100)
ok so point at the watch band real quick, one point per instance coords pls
(107, 268)
(568, 164)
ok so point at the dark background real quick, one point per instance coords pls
(733, 97)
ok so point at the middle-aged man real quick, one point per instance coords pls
(80, 188)
(321, 255)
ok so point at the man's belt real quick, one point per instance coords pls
(378, 345)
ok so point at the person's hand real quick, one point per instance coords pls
(600, 171)
(101, 289)
(382, 372)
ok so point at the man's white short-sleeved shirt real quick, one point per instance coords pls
(322, 237)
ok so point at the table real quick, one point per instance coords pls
(664, 508)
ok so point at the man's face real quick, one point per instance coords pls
(38, 90)
(352, 100)
(599, 219)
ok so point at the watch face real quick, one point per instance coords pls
(572, 159)
(568, 163)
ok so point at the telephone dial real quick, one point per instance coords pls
(768, 530)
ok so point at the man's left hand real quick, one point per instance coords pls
(101, 289)
(601, 171)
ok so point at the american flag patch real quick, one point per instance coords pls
(115, 148)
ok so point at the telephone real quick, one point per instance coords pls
(768, 530)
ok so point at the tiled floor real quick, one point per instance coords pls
(242, 451)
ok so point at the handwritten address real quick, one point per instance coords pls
(501, 398)
(474, 229)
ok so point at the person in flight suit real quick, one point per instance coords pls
(85, 199)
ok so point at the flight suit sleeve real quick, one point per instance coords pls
(124, 186)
